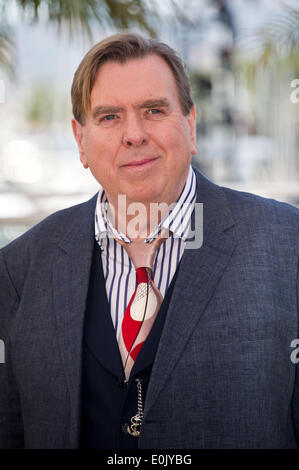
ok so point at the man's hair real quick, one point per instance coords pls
(121, 48)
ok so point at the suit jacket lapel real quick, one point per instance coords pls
(200, 272)
(70, 287)
(99, 333)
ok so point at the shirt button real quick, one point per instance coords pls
(122, 383)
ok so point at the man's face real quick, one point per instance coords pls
(136, 140)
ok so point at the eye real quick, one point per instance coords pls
(155, 111)
(109, 117)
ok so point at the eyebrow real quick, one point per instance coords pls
(99, 110)
(155, 103)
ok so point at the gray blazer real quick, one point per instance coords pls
(223, 375)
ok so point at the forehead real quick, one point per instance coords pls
(134, 80)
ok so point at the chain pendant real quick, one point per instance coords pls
(134, 428)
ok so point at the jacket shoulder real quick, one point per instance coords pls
(266, 216)
(41, 241)
(248, 203)
(53, 227)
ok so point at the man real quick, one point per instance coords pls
(209, 363)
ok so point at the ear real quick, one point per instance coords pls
(78, 134)
(192, 125)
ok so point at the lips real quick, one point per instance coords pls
(137, 163)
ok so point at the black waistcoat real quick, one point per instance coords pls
(107, 402)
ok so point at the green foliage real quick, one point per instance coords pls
(276, 47)
(81, 15)
(279, 37)
(77, 17)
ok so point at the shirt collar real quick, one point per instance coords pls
(177, 220)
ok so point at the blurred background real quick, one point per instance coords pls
(243, 59)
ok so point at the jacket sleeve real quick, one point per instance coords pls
(11, 427)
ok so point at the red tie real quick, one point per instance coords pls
(144, 304)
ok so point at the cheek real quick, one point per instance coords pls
(94, 150)
(178, 140)
(103, 144)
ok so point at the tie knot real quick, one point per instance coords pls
(142, 254)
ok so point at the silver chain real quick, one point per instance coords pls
(139, 399)
(134, 427)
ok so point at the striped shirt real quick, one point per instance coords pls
(119, 271)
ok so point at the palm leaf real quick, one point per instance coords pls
(83, 15)
(7, 49)
(279, 37)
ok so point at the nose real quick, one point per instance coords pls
(134, 133)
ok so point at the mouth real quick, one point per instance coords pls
(140, 163)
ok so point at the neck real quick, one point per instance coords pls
(136, 220)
